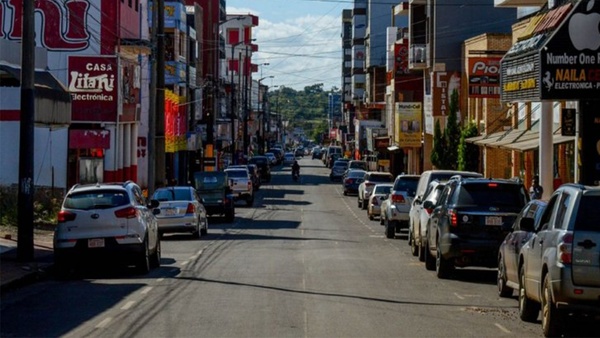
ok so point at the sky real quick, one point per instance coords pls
(299, 39)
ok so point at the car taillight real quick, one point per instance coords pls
(249, 185)
(129, 212)
(428, 210)
(190, 208)
(453, 217)
(398, 198)
(565, 248)
(66, 216)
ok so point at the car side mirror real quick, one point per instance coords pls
(428, 205)
(153, 204)
(527, 224)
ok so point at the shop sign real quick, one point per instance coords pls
(567, 122)
(401, 59)
(93, 85)
(382, 142)
(443, 85)
(484, 77)
(570, 61)
(519, 78)
(407, 129)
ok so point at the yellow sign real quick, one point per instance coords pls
(519, 85)
(408, 126)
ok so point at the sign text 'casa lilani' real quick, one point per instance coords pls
(93, 87)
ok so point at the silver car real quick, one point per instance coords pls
(560, 263)
(106, 221)
(380, 193)
(180, 211)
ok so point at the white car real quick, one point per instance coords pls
(395, 209)
(370, 179)
(380, 193)
(418, 224)
(288, 158)
(180, 211)
(111, 222)
(272, 158)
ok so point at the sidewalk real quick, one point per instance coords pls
(14, 273)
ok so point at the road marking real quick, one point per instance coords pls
(459, 296)
(104, 323)
(160, 279)
(146, 290)
(128, 305)
(502, 328)
(184, 262)
(199, 252)
(376, 236)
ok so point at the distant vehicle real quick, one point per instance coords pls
(560, 269)
(470, 221)
(288, 159)
(272, 159)
(356, 164)
(353, 178)
(263, 165)
(180, 211)
(380, 193)
(241, 185)
(316, 153)
(299, 152)
(395, 208)
(510, 249)
(216, 195)
(254, 173)
(366, 187)
(111, 222)
(338, 170)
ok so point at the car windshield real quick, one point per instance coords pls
(237, 173)
(382, 189)
(342, 164)
(356, 174)
(408, 184)
(380, 178)
(588, 217)
(97, 199)
(258, 160)
(168, 194)
(210, 180)
(491, 194)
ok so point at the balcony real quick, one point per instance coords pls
(417, 57)
(519, 3)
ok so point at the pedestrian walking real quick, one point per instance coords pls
(536, 191)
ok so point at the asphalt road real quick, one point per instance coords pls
(303, 262)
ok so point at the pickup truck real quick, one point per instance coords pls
(213, 188)
(241, 186)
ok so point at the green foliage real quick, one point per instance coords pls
(439, 146)
(46, 205)
(452, 134)
(468, 153)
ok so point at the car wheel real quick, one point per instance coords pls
(62, 268)
(390, 229)
(443, 267)
(381, 219)
(414, 249)
(196, 234)
(421, 252)
(429, 259)
(250, 201)
(345, 193)
(229, 216)
(503, 290)
(551, 315)
(157, 254)
(528, 309)
(204, 231)
(364, 204)
(360, 202)
(143, 264)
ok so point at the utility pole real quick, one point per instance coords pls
(152, 118)
(246, 110)
(160, 94)
(25, 251)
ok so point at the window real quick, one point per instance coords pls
(588, 217)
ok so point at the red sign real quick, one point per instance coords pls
(93, 82)
(484, 77)
(443, 85)
(401, 59)
(89, 138)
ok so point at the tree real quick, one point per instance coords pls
(452, 134)
(439, 147)
(468, 153)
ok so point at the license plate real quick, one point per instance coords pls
(96, 243)
(493, 220)
(170, 211)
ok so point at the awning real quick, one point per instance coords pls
(534, 142)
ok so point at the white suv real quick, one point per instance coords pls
(107, 221)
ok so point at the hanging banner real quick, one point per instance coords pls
(408, 127)
(175, 124)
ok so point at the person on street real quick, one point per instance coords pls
(295, 169)
(536, 191)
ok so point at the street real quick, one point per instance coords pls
(303, 262)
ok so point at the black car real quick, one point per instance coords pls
(213, 188)
(469, 222)
(263, 165)
(508, 257)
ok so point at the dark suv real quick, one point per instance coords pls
(263, 165)
(469, 222)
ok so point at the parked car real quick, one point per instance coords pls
(180, 211)
(111, 222)
(380, 193)
(338, 170)
(240, 183)
(356, 164)
(289, 158)
(254, 173)
(470, 221)
(316, 153)
(330, 150)
(299, 152)
(395, 208)
(272, 159)
(263, 165)
(560, 269)
(423, 187)
(215, 193)
(418, 230)
(510, 249)
(332, 158)
(366, 186)
(278, 154)
(351, 180)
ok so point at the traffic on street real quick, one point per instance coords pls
(301, 261)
